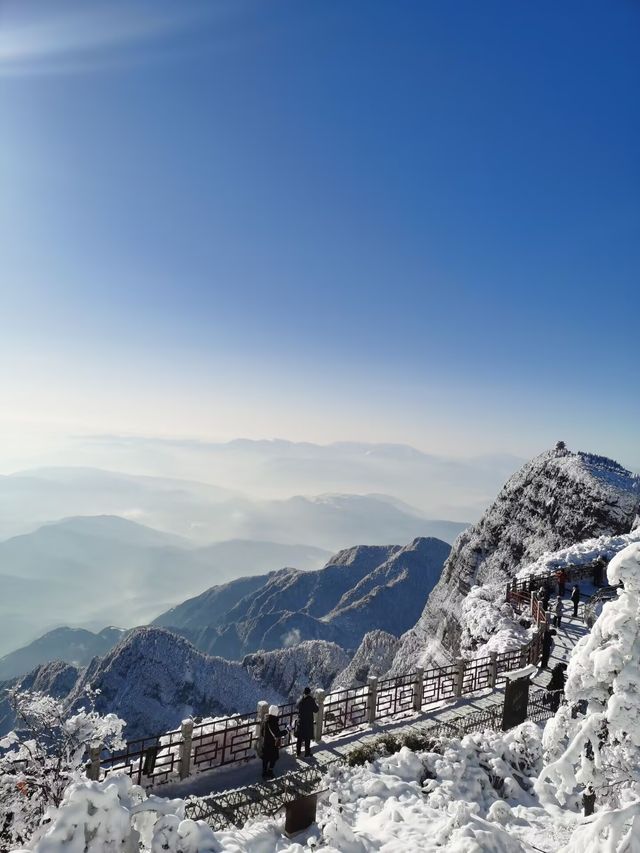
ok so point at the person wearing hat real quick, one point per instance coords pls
(307, 707)
(271, 742)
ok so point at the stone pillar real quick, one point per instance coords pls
(460, 675)
(418, 689)
(93, 767)
(319, 722)
(493, 676)
(261, 715)
(186, 730)
(372, 683)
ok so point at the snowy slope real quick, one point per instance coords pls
(289, 671)
(153, 679)
(373, 656)
(57, 679)
(555, 500)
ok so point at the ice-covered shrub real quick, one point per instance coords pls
(45, 753)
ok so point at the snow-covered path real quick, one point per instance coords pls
(335, 748)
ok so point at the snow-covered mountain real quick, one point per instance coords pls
(153, 679)
(314, 663)
(359, 589)
(556, 500)
(374, 656)
(55, 678)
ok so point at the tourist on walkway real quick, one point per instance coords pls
(599, 568)
(555, 687)
(272, 735)
(561, 577)
(546, 596)
(559, 608)
(575, 597)
(307, 707)
(547, 645)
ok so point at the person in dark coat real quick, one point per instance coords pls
(545, 598)
(307, 707)
(547, 645)
(272, 733)
(575, 597)
(599, 568)
(559, 611)
(555, 687)
(561, 577)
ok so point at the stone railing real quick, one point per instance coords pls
(199, 746)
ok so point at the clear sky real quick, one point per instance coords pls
(331, 219)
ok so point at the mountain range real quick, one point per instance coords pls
(370, 610)
(94, 571)
(203, 513)
(358, 589)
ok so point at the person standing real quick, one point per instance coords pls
(562, 582)
(307, 707)
(599, 569)
(559, 608)
(547, 645)
(546, 596)
(575, 598)
(272, 736)
(555, 687)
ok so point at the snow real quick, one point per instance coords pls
(552, 502)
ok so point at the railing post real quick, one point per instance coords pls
(261, 715)
(372, 698)
(93, 767)
(418, 689)
(493, 670)
(460, 676)
(186, 730)
(320, 695)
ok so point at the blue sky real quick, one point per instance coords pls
(400, 221)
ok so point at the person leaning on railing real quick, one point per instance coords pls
(272, 739)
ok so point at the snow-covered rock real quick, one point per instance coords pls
(56, 679)
(313, 663)
(153, 679)
(374, 656)
(556, 500)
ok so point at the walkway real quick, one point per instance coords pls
(336, 747)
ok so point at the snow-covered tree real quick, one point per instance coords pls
(46, 753)
(601, 738)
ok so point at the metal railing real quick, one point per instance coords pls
(232, 809)
(232, 740)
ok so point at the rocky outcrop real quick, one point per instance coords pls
(153, 679)
(313, 663)
(373, 657)
(558, 499)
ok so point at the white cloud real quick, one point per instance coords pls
(40, 36)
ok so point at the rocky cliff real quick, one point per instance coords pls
(556, 500)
